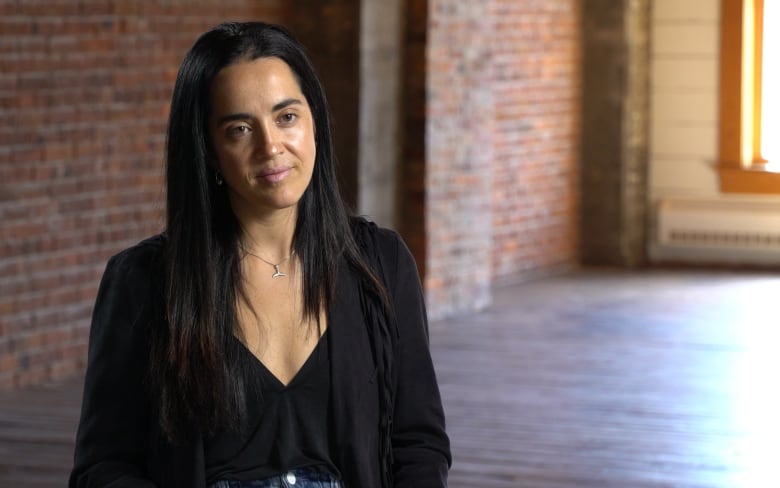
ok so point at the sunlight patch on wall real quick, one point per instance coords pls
(770, 110)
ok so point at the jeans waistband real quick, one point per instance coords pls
(294, 478)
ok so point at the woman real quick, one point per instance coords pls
(266, 338)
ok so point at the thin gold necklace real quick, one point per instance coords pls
(277, 272)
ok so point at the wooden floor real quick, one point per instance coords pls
(595, 379)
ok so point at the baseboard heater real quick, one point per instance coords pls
(729, 231)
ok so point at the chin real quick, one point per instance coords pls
(286, 203)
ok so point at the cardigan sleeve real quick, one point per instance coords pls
(112, 433)
(421, 449)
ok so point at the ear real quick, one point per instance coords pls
(210, 155)
(211, 158)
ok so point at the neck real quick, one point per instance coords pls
(270, 236)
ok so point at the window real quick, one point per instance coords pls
(743, 168)
(770, 77)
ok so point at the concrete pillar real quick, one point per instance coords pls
(378, 148)
(615, 131)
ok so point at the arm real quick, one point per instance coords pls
(112, 435)
(421, 450)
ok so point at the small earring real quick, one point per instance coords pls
(218, 178)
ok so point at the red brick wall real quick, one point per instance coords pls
(487, 194)
(537, 112)
(503, 115)
(84, 89)
(460, 154)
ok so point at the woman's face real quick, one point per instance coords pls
(262, 134)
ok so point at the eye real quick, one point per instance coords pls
(239, 130)
(287, 118)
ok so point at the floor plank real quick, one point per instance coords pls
(600, 378)
(604, 378)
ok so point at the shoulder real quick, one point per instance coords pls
(385, 246)
(138, 263)
(383, 238)
(146, 250)
(130, 294)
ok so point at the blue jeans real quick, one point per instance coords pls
(296, 478)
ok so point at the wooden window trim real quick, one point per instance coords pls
(741, 166)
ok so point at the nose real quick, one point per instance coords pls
(269, 142)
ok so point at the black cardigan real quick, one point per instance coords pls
(119, 444)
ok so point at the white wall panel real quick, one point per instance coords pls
(675, 39)
(670, 75)
(697, 107)
(684, 97)
(692, 11)
(683, 176)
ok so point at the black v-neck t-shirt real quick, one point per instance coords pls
(287, 426)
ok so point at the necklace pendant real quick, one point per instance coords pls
(278, 272)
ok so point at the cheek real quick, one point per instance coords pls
(232, 155)
(311, 144)
(307, 146)
(313, 150)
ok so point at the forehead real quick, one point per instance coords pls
(261, 80)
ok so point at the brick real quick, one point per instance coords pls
(498, 73)
(84, 91)
(84, 94)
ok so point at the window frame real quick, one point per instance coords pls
(741, 167)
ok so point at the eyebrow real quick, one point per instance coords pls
(286, 103)
(245, 116)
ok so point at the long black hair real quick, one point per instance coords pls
(195, 368)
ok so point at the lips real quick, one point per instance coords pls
(274, 175)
